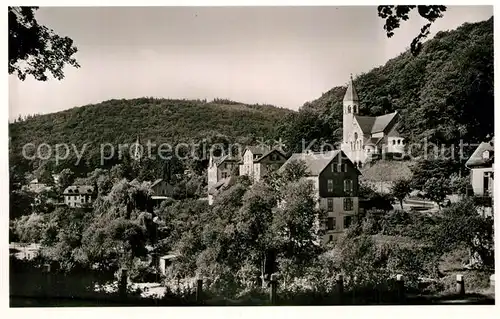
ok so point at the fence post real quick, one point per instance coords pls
(122, 285)
(339, 287)
(199, 291)
(460, 285)
(401, 288)
(48, 281)
(273, 284)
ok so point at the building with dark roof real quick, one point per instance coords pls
(365, 136)
(79, 195)
(335, 180)
(259, 161)
(219, 170)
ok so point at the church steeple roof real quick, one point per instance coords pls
(350, 93)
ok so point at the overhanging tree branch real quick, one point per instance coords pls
(394, 14)
(35, 49)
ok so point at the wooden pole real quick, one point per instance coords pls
(339, 287)
(400, 288)
(48, 281)
(273, 284)
(460, 285)
(199, 291)
(122, 288)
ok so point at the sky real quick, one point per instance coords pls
(283, 56)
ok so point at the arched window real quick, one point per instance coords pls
(399, 142)
(349, 109)
(355, 136)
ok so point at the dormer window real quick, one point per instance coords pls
(486, 155)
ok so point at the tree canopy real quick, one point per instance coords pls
(35, 49)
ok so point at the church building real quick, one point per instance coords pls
(367, 136)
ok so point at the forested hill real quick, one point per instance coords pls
(158, 120)
(444, 94)
(161, 120)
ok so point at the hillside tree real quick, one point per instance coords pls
(400, 189)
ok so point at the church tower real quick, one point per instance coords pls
(351, 108)
(137, 150)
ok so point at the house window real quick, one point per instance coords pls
(330, 223)
(344, 167)
(347, 221)
(330, 204)
(330, 238)
(339, 167)
(486, 183)
(399, 142)
(486, 155)
(393, 142)
(330, 185)
(348, 185)
(334, 168)
(347, 204)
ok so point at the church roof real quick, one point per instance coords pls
(372, 140)
(381, 122)
(394, 132)
(365, 123)
(375, 124)
(350, 93)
